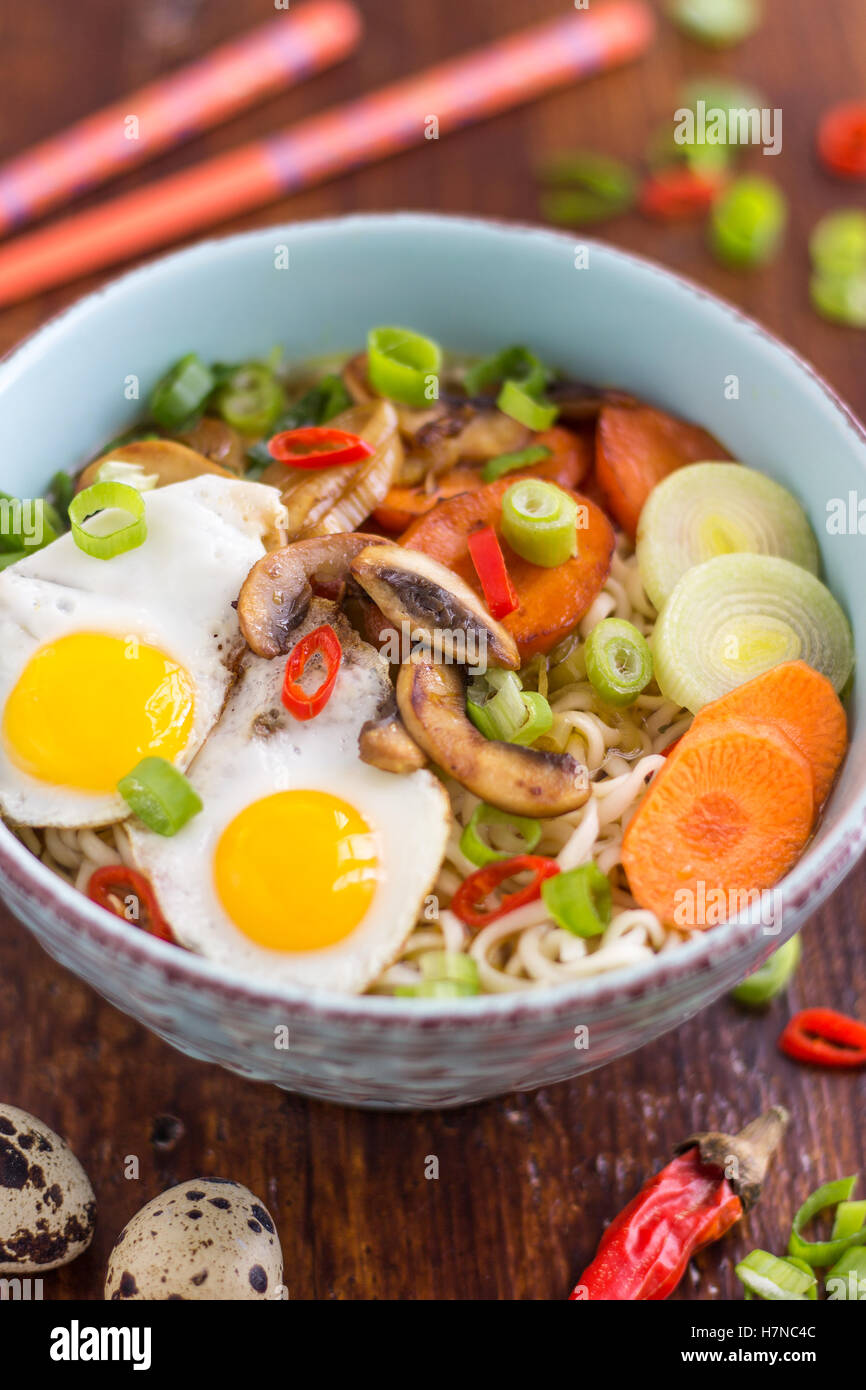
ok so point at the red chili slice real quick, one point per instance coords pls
(826, 1038)
(492, 572)
(324, 642)
(842, 139)
(112, 884)
(470, 896)
(677, 193)
(318, 447)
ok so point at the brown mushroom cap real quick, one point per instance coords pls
(170, 461)
(276, 593)
(524, 781)
(385, 743)
(408, 586)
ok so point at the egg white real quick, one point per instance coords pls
(174, 592)
(257, 749)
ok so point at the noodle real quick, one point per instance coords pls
(622, 751)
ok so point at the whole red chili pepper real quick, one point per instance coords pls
(692, 1202)
(826, 1038)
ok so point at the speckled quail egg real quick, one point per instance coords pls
(47, 1207)
(104, 662)
(208, 1238)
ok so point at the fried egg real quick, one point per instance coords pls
(305, 864)
(103, 662)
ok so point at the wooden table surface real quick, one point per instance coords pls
(526, 1182)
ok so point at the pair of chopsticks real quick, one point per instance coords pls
(480, 84)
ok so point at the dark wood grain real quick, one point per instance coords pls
(526, 1182)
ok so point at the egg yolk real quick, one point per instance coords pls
(88, 707)
(296, 871)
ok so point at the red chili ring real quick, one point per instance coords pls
(474, 890)
(317, 447)
(106, 887)
(825, 1038)
(324, 642)
(493, 576)
(842, 140)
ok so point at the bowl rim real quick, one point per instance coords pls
(808, 883)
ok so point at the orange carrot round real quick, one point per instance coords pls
(551, 601)
(726, 818)
(635, 447)
(802, 703)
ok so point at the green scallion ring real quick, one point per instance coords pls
(515, 400)
(479, 853)
(160, 795)
(579, 900)
(619, 662)
(182, 392)
(770, 978)
(517, 362)
(496, 706)
(716, 23)
(436, 989)
(840, 298)
(768, 1277)
(98, 498)
(747, 222)
(400, 364)
(450, 965)
(539, 522)
(507, 463)
(820, 1253)
(251, 399)
(849, 1219)
(539, 719)
(849, 1278)
(838, 243)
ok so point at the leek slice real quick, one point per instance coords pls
(708, 509)
(735, 616)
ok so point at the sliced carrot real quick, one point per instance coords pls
(635, 447)
(803, 704)
(552, 601)
(571, 458)
(727, 816)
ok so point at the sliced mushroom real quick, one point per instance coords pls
(524, 781)
(170, 461)
(410, 587)
(218, 441)
(323, 501)
(464, 432)
(277, 591)
(386, 743)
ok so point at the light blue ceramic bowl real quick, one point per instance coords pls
(474, 286)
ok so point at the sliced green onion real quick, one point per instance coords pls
(116, 471)
(479, 853)
(450, 965)
(506, 463)
(770, 978)
(735, 616)
(618, 661)
(579, 900)
(521, 405)
(849, 1219)
(28, 525)
(400, 364)
(767, 1277)
(585, 188)
(820, 1253)
(182, 392)
(838, 243)
(160, 795)
(61, 491)
(103, 543)
(251, 399)
(502, 713)
(747, 222)
(708, 509)
(538, 721)
(539, 522)
(716, 23)
(12, 557)
(436, 989)
(840, 298)
(850, 1272)
(516, 363)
